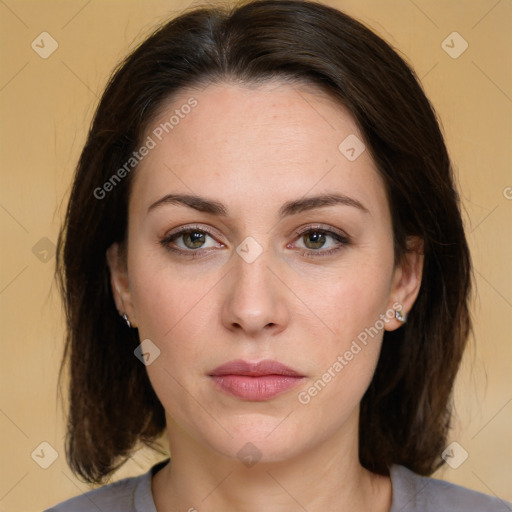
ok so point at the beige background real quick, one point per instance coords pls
(46, 106)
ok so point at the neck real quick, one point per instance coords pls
(326, 474)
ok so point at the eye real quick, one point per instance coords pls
(192, 241)
(188, 241)
(316, 238)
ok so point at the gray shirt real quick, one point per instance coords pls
(411, 493)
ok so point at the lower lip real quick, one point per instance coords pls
(256, 389)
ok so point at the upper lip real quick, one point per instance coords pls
(251, 369)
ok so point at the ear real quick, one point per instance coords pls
(407, 280)
(120, 283)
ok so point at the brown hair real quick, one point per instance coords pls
(405, 412)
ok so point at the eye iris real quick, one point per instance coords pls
(317, 238)
(195, 237)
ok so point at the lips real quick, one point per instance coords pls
(255, 381)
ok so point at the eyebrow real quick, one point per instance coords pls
(205, 205)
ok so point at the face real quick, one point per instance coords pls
(284, 258)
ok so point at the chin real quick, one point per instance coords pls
(260, 439)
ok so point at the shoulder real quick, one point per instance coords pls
(114, 497)
(127, 495)
(416, 493)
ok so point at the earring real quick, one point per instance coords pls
(125, 316)
(401, 317)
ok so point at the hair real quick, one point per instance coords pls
(406, 411)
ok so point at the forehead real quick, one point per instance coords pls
(257, 140)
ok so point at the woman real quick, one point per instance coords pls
(263, 257)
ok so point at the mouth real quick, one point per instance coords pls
(255, 381)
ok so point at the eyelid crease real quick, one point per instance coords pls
(323, 228)
(188, 229)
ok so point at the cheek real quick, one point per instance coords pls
(174, 310)
(164, 297)
(343, 362)
(173, 313)
(351, 302)
(343, 368)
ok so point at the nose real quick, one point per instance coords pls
(255, 298)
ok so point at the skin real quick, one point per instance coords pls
(254, 148)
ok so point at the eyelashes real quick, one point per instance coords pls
(168, 241)
(190, 242)
(339, 241)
